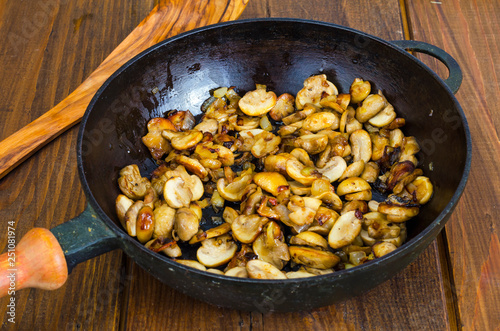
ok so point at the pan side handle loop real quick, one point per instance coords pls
(84, 237)
(455, 78)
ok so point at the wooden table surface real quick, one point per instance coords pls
(50, 46)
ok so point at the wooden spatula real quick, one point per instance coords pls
(168, 18)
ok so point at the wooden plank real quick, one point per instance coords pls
(469, 31)
(48, 49)
(413, 300)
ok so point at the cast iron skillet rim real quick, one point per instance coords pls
(383, 260)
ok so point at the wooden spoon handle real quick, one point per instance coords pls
(36, 261)
(168, 18)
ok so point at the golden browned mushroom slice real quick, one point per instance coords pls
(370, 107)
(164, 221)
(208, 125)
(309, 238)
(192, 264)
(272, 182)
(229, 215)
(270, 246)
(166, 246)
(176, 193)
(265, 143)
(299, 188)
(186, 224)
(283, 107)
(277, 162)
(334, 168)
(384, 117)
(396, 213)
(246, 228)
(314, 258)
(359, 90)
(154, 141)
(211, 233)
(313, 90)
(183, 140)
(321, 120)
(383, 248)
(323, 221)
(423, 189)
(145, 224)
(192, 165)
(122, 205)
(352, 185)
(263, 270)
(131, 217)
(302, 209)
(302, 155)
(323, 190)
(216, 251)
(361, 146)
(302, 174)
(240, 272)
(312, 143)
(131, 183)
(370, 172)
(410, 148)
(355, 169)
(241, 123)
(257, 102)
(345, 230)
(182, 119)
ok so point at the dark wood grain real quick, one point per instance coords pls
(41, 62)
(469, 30)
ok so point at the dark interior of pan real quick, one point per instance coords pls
(180, 72)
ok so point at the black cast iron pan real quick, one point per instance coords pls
(280, 53)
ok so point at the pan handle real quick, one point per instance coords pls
(454, 80)
(43, 259)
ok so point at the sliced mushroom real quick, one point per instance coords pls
(246, 228)
(352, 185)
(361, 146)
(176, 193)
(345, 230)
(131, 218)
(263, 270)
(309, 238)
(183, 140)
(186, 224)
(283, 107)
(270, 246)
(299, 188)
(312, 143)
(302, 156)
(303, 209)
(266, 143)
(211, 233)
(257, 102)
(240, 272)
(314, 88)
(370, 107)
(299, 274)
(216, 251)
(354, 205)
(323, 190)
(164, 245)
(241, 123)
(122, 205)
(334, 168)
(192, 165)
(234, 191)
(277, 163)
(299, 116)
(192, 264)
(397, 214)
(272, 182)
(370, 172)
(422, 188)
(314, 258)
(355, 169)
(324, 220)
(383, 248)
(384, 117)
(145, 224)
(365, 195)
(164, 221)
(359, 90)
(207, 125)
(131, 183)
(154, 141)
(302, 174)
(396, 137)
(321, 120)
